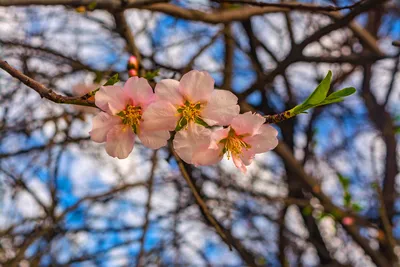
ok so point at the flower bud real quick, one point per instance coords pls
(132, 73)
(80, 9)
(348, 220)
(132, 62)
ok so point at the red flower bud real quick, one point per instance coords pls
(132, 62)
(132, 73)
(348, 220)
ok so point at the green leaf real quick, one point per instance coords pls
(342, 93)
(344, 181)
(330, 101)
(150, 75)
(181, 123)
(347, 199)
(307, 210)
(113, 80)
(92, 5)
(320, 92)
(397, 130)
(356, 207)
(201, 122)
(99, 77)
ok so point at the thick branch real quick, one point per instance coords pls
(42, 90)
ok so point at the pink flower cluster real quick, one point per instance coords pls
(205, 121)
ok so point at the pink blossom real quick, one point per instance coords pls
(246, 136)
(192, 145)
(192, 99)
(122, 118)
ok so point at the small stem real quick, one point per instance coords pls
(276, 118)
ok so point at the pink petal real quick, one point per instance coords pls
(264, 141)
(221, 108)
(191, 141)
(247, 123)
(168, 90)
(247, 157)
(239, 163)
(196, 86)
(206, 156)
(111, 99)
(154, 140)
(120, 140)
(160, 115)
(139, 91)
(217, 136)
(102, 123)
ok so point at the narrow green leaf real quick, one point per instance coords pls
(342, 93)
(356, 207)
(344, 181)
(307, 210)
(92, 5)
(347, 199)
(113, 80)
(150, 75)
(330, 101)
(320, 92)
(99, 77)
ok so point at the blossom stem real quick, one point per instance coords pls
(199, 200)
(276, 118)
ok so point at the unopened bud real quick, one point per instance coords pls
(348, 220)
(80, 9)
(132, 73)
(132, 62)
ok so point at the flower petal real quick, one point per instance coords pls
(207, 156)
(247, 157)
(160, 115)
(239, 163)
(111, 99)
(191, 141)
(153, 139)
(247, 123)
(264, 141)
(217, 135)
(196, 86)
(139, 91)
(221, 108)
(102, 123)
(120, 141)
(168, 90)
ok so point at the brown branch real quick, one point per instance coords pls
(42, 90)
(148, 209)
(222, 232)
(293, 5)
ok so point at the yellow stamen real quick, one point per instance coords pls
(190, 111)
(131, 116)
(234, 144)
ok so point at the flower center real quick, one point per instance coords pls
(131, 116)
(190, 111)
(234, 144)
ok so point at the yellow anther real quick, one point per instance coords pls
(190, 111)
(131, 116)
(234, 144)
